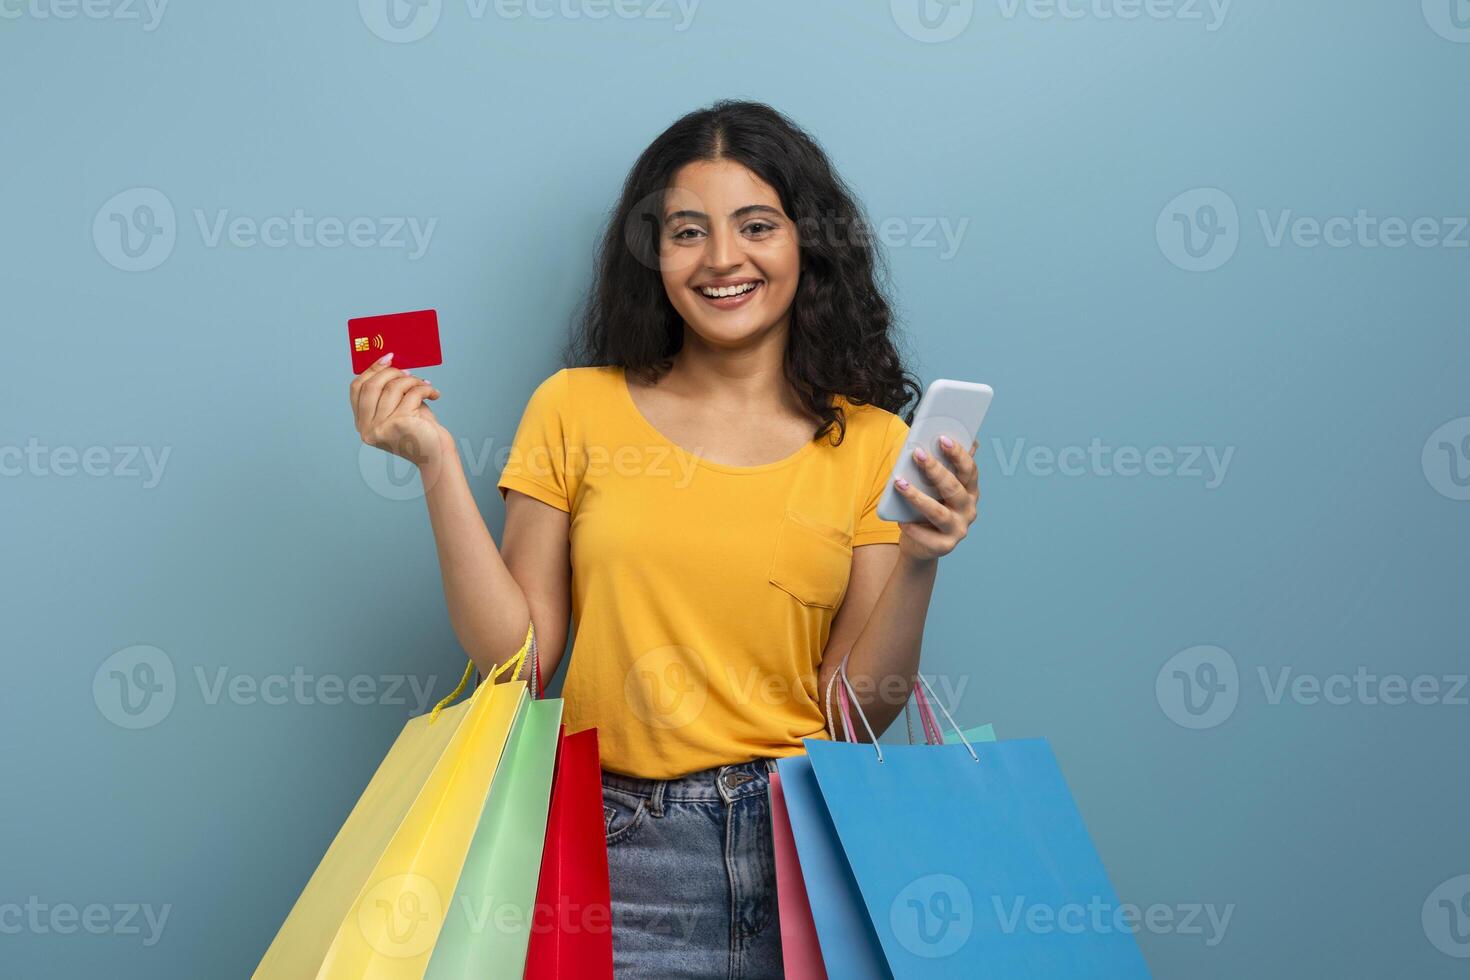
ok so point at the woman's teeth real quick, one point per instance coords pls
(721, 292)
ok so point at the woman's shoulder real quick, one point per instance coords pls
(870, 422)
(578, 384)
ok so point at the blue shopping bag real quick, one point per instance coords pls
(972, 861)
(850, 947)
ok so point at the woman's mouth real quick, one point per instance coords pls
(729, 296)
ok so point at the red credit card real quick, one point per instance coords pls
(412, 338)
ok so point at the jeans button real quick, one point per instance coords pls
(734, 779)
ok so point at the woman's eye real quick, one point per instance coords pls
(686, 234)
(759, 228)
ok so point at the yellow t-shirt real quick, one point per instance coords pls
(702, 594)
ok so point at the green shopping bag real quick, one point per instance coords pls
(488, 924)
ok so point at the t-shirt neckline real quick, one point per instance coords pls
(637, 413)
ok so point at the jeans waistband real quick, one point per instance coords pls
(719, 784)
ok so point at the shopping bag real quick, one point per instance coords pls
(824, 924)
(488, 923)
(801, 953)
(998, 836)
(571, 934)
(373, 905)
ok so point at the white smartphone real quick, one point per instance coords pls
(948, 408)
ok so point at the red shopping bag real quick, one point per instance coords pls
(571, 929)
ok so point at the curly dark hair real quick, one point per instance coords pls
(841, 338)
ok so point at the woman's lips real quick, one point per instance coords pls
(731, 302)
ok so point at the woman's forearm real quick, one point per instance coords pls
(487, 609)
(884, 660)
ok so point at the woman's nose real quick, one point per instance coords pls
(724, 250)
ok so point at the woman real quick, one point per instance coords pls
(698, 497)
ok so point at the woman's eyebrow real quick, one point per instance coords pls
(748, 209)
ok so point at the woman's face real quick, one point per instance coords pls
(729, 254)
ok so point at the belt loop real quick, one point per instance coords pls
(656, 798)
(770, 766)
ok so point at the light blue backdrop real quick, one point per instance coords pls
(1104, 209)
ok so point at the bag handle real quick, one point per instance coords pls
(932, 734)
(517, 662)
(848, 697)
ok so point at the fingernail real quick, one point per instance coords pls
(946, 442)
(386, 358)
(902, 483)
(920, 455)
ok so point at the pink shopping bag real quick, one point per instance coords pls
(799, 949)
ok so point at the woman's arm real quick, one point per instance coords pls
(491, 593)
(880, 626)
(879, 629)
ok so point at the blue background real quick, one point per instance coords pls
(271, 543)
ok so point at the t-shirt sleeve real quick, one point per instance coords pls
(537, 464)
(871, 529)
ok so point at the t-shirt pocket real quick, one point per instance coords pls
(811, 560)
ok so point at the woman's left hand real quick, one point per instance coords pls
(948, 519)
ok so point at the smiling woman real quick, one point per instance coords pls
(695, 498)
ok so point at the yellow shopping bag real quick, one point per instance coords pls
(376, 902)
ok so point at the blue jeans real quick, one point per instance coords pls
(693, 875)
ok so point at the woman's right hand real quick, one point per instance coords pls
(388, 405)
